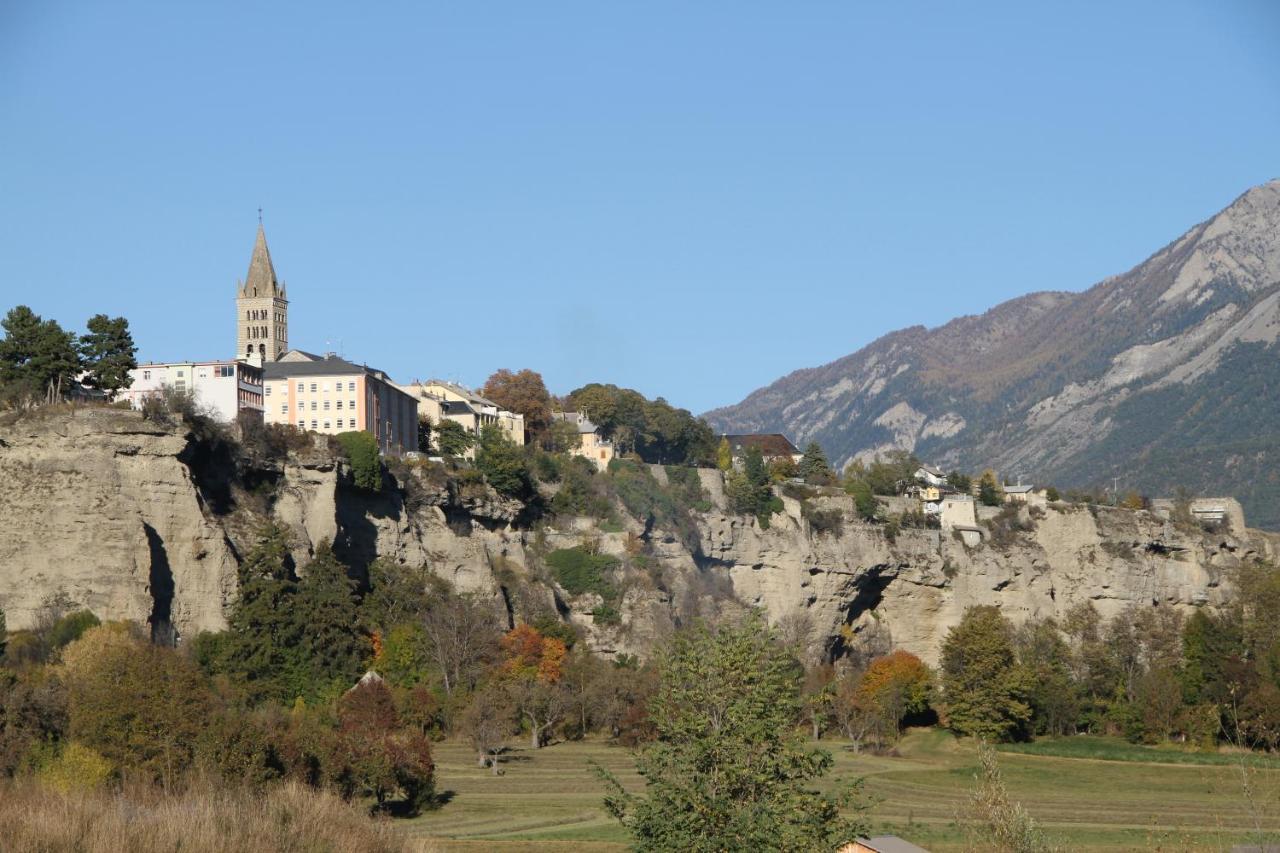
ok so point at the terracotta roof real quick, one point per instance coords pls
(769, 444)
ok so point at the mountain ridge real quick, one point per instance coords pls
(1062, 386)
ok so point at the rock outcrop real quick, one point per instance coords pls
(125, 517)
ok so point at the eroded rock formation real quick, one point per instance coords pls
(143, 522)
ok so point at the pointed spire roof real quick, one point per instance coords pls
(261, 280)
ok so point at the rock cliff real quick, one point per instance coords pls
(144, 522)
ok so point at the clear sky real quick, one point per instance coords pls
(690, 199)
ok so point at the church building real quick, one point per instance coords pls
(262, 309)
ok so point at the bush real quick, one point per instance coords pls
(361, 450)
(74, 766)
(823, 521)
(502, 463)
(69, 628)
(579, 571)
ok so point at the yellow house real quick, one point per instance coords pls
(591, 445)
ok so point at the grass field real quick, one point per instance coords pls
(1099, 794)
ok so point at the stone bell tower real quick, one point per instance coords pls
(262, 311)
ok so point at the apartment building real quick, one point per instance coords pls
(224, 389)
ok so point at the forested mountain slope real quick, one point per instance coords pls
(1164, 376)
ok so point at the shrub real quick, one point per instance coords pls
(361, 450)
(823, 521)
(69, 628)
(73, 766)
(578, 571)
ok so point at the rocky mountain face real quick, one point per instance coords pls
(141, 522)
(1165, 376)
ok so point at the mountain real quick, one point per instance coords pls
(1164, 376)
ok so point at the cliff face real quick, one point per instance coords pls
(124, 517)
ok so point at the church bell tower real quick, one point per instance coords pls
(262, 311)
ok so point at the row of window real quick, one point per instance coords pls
(350, 423)
(261, 314)
(302, 387)
(284, 407)
(256, 332)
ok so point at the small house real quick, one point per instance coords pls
(930, 475)
(771, 445)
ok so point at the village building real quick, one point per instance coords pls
(439, 400)
(223, 389)
(330, 395)
(930, 475)
(772, 446)
(592, 445)
(881, 844)
(1028, 495)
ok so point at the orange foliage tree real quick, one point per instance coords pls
(533, 666)
(894, 686)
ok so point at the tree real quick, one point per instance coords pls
(533, 666)
(896, 686)
(729, 769)
(487, 721)
(424, 434)
(37, 357)
(985, 690)
(460, 632)
(397, 594)
(502, 462)
(361, 450)
(724, 455)
(960, 481)
(108, 353)
(453, 439)
(333, 646)
(263, 648)
(1053, 693)
(4, 637)
(989, 493)
(814, 467)
(381, 754)
(140, 706)
(524, 393)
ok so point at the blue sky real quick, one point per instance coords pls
(691, 199)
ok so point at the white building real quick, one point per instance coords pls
(222, 388)
(930, 475)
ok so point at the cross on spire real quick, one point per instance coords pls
(259, 215)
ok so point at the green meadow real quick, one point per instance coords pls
(1089, 793)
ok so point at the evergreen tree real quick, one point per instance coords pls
(730, 769)
(327, 613)
(108, 352)
(37, 357)
(361, 450)
(814, 466)
(263, 649)
(984, 687)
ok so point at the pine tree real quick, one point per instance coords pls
(108, 352)
(814, 465)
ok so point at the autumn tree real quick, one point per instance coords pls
(989, 492)
(382, 755)
(487, 721)
(729, 769)
(533, 666)
(984, 688)
(894, 687)
(524, 393)
(724, 455)
(460, 638)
